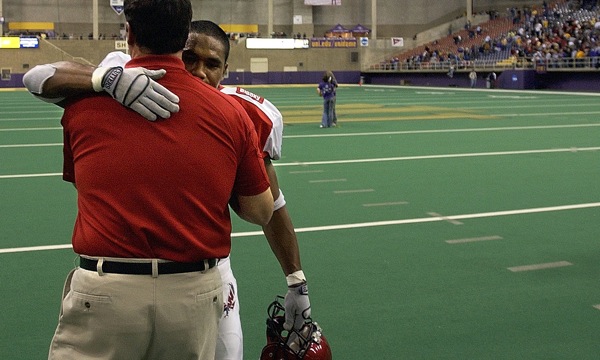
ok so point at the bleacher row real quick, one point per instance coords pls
(562, 33)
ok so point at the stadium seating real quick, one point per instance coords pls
(512, 41)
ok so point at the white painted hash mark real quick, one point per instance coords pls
(543, 266)
(476, 239)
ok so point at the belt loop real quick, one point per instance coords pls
(206, 264)
(154, 268)
(99, 266)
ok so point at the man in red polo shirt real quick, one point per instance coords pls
(153, 199)
(205, 57)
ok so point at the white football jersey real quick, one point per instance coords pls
(266, 118)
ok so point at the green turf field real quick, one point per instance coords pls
(434, 223)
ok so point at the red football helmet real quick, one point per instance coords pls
(307, 343)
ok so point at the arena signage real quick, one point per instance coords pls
(333, 43)
(29, 43)
(15, 42)
(117, 6)
(282, 44)
(322, 2)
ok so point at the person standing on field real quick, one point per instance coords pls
(335, 87)
(326, 90)
(473, 78)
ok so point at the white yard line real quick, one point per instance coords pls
(368, 224)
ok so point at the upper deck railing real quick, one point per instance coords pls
(564, 64)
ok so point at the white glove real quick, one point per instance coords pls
(137, 89)
(297, 305)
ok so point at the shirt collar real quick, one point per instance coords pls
(156, 61)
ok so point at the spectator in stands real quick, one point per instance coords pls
(451, 70)
(595, 54)
(580, 55)
(565, 29)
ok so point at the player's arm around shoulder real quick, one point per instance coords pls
(135, 88)
(57, 81)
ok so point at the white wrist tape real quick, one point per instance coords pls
(279, 202)
(35, 78)
(295, 278)
(97, 77)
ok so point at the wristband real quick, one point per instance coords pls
(296, 278)
(97, 77)
(279, 202)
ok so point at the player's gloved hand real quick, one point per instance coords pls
(296, 303)
(137, 89)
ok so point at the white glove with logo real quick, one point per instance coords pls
(297, 303)
(137, 89)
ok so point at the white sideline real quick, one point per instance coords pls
(366, 224)
(399, 158)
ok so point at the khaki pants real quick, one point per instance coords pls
(116, 316)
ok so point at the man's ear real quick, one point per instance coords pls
(129, 35)
(224, 71)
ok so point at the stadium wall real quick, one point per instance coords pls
(240, 59)
(394, 17)
(568, 80)
(510, 80)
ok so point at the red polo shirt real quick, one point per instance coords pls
(160, 189)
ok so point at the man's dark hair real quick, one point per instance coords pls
(159, 26)
(211, 29)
